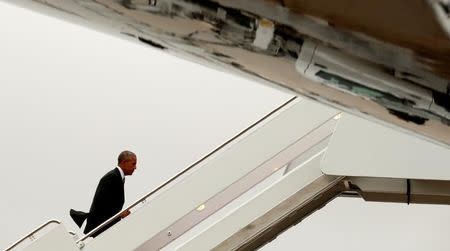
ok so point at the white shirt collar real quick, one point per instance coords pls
(121, 173)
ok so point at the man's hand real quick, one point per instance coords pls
(124, 214)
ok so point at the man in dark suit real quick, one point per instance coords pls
(109, 196)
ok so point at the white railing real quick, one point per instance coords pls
(177, 176)
(32, 234)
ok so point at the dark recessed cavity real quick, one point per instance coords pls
(407, 117)
(151, 43)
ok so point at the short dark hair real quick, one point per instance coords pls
(125, 155)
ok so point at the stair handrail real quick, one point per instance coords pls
(95, 230)
(53, 221)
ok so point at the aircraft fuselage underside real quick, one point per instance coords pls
(392, 67)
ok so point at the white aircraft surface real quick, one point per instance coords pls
(301, 155)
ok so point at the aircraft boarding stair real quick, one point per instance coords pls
(245, 193)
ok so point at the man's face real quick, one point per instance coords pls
(129, 165)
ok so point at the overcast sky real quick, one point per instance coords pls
(71, 99)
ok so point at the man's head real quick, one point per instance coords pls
(127, 162)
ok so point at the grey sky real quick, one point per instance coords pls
(71, 99)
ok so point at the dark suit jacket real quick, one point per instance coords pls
(108, 201)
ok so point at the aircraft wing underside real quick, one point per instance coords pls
(384, 60)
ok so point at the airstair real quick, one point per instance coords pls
(246, 192)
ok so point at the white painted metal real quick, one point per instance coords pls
(57, 239)
(33, 235)
(240, 191)
(229, 165)
(298, 150)
(244, 198)
(256, 206)
(264, 34)
(363, 148)
(305, 57)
